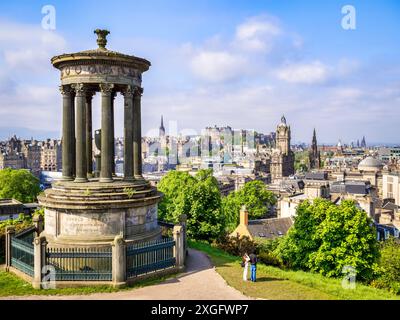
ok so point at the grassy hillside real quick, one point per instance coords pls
(274, 283)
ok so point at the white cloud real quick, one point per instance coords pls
(28, 47)
(257, 34)
(347, 93)
(217, 66)
(304, 73)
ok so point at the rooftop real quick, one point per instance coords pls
(269, 228)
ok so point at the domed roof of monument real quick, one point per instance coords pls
(370, 164)
(100, 54)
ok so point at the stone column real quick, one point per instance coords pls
(89, 133)
(183, 223)
(179, 246)
(107, 136)
(80, 119)
(67, 133)
(39, 251)
(137, 134)
(38, 221)
(118, 261)
(113, 95)
(128, 134)
(73, 140)
(10, 231)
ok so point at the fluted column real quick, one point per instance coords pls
(107, 135)
(137, 134)
(128, 133)
(80, 119)
(89, 133)
(67, 133)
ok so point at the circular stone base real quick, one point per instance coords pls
(93, 213)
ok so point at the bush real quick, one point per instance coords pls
(236, 246)
(389, 266)
(266, 254)
(270, 259)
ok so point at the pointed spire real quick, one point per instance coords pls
(283, 119)
(162, 129)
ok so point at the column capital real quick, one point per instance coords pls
(137, 91)
(128, 91)
(106, 88)
(65, 90)
(80, 89)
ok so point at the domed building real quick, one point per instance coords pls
(370, 164)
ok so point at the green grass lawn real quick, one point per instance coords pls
(277, 284)
(11, 285)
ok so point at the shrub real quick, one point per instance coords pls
(266, 254)
(270, 259)
(389, 266)
(236, 246)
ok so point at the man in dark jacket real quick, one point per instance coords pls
(253, 266)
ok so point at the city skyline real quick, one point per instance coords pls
(218, 63)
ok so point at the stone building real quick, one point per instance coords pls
(32, 152)
(12, 160)
(51, 155)
(282, 158)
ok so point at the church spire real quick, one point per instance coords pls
(162, 129)
(314, 154)
(314, 139)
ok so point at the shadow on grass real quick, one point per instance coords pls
(267, 279)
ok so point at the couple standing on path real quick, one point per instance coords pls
(252, 258)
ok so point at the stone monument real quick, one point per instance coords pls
(82, 209)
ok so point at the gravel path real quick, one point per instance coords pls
(199, 282)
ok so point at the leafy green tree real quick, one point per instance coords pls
(326, 237)
(175, 185)
(254, 195)
(295, 248)
(389, 264)
(198, 197)
(18, 184)
(301, 160)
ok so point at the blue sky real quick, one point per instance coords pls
(238, 63)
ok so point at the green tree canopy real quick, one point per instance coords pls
(325, 238)
(389, 263)
(18, 184)
(198, 197)
(254, 195)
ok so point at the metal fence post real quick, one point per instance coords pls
(10, 231)
(39, 251)
(179, 248)
(119, 261)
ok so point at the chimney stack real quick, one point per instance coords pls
(244, 216)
